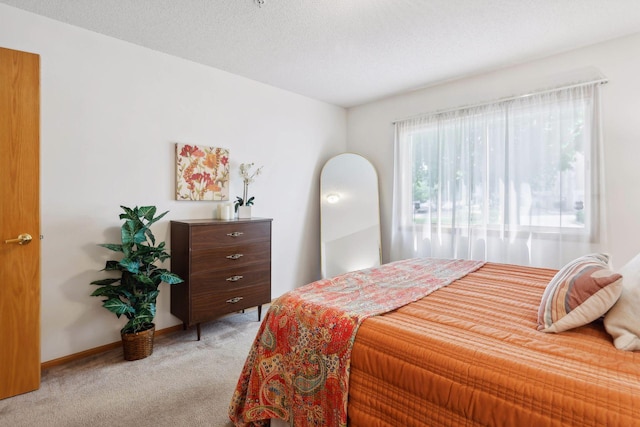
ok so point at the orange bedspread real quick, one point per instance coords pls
(470, 355)
(298, 366)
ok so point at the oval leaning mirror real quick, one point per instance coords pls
(349, 215)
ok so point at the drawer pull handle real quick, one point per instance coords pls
(234, 278)
(234, 300)
(234, 256)
(235, 234)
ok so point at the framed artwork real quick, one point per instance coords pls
(202, 173)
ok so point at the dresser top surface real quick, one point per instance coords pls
(220, 221)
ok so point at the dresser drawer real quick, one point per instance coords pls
(231, 234)
(210, 305)
(223, 280)
(230, 257)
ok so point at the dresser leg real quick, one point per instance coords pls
(259, 312)
(198, 329)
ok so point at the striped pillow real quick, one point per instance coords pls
(581, 292)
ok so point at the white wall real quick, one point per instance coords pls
(370, 132)
(110, 115)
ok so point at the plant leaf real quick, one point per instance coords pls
(131, 265)
(128, 213)
(127, 231)
(112, 246)
(144, 279)
(170, 278)
(105, 282)
(115, 305)
(152, 296)
(147, 212)
(156, 219)
(112, 266)
(140, 236)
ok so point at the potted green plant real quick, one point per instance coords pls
(134, 293)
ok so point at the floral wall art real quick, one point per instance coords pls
(202, 173)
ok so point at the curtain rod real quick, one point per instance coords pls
(510, 98)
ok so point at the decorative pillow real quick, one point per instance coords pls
(622, 322)
(582, 291)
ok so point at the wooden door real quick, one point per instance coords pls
(19, 215)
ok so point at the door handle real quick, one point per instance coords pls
(22, 239)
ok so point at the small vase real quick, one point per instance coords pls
(244, 211)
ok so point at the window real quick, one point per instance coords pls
(479, 179)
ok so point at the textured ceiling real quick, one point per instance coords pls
(348, 52)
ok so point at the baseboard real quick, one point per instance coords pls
(97, 350)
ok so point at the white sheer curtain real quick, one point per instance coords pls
(517, 181)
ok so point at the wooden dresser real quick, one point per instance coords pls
(225, 264)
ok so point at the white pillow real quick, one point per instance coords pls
(622, 322)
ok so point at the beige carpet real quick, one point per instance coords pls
(184, 382)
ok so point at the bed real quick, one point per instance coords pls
(468, 353)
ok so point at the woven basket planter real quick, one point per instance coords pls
(139, 345)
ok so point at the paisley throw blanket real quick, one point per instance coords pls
(298, 367)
